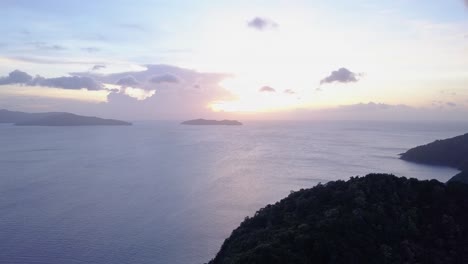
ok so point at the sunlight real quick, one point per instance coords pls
(251, 99)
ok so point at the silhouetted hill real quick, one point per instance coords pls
(451, 152)
(15, 117)
(204, 122)
(460, 177)
(374, 219)
(66, 119)
(55, 119)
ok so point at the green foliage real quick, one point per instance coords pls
(374, 219)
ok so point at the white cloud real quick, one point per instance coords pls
(138, 93)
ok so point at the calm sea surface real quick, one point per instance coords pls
(159, 192)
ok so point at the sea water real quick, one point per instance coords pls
(160, 192)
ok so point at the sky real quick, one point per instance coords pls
(298, 60)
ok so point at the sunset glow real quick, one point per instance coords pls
(310, 55)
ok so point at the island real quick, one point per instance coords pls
(205, 122)
(452, 152)
(378, 218)
(12, 117)
(56, 119)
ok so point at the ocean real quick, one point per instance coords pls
(160, 192)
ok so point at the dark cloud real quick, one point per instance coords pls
(165, 78)
(98, 67)
(289, 91)
(91, 49)
(342, 75)
(448, 92)
(186, 78)
(45, 46)
(128, 81)
(72, 82)
(440, 104)
(122, 104)
(16, 77)
(261, 24)
(267, 89)
(451, 104)
(466, 3)
(66, 82)
(133, 26)
(371, 106)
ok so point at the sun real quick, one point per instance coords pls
(251, 99)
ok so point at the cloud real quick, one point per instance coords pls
(372, 106)
(72, 82)
(91, 49)
(165, 78)
(15, 77)
(289, 91)
(262, 24)
(66, 82)
(98, 67)
(466, 3)
(45, 46)
(148, 100)
(138, 93)
(448, 92)
(439, 104)
(128, 81)
(267, 89)
(342, 75)
(383, 111)
(163, 75)
(51, 60)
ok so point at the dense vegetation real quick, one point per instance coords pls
(451, 152)
(374, 219)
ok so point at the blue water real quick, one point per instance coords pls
(159, 192)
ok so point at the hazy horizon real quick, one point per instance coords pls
(262, 60)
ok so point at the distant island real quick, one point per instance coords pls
(452, 152)
(205, 122)
(378, 218)
(55, 119)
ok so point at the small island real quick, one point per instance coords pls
(205, 122)
(452, 152)
(56, 119)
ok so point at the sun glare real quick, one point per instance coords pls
(250, 97)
